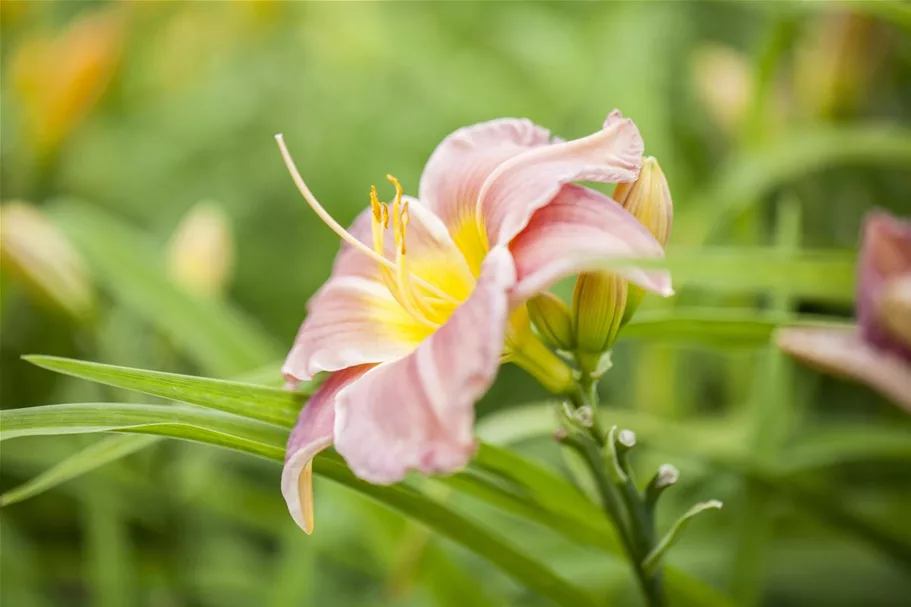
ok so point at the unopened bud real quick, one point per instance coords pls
(626, 438)
(834, 62)
(599, 301)
(724, 83)
(584, 416)
(667, 475)
(201, 253)
(552, 319)
(34, 250)
(884, 262)
(648, 199)
(895, 309)
(560, 435)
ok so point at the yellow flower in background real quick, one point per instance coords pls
(201, 252)
(33, 250)
(60, 77)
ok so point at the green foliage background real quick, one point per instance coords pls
(814, 472)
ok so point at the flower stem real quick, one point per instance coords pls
(622, 502)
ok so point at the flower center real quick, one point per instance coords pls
(426, 302)
(430, 307)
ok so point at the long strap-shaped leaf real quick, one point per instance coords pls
(261, 403)
(267, 441)
(533, 492)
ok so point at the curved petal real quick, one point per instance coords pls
(575, 233)
(844, 353)
(418, 412)
(458, 168)
(311, 434)
(354, 319)
(885, 255)
(520, 186)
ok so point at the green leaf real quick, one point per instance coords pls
(755, 173)
(98, 454)
(187, 423)
(261, 403)
(209, 331)
(454, 526)
(720, 442)
(811, 274)
(717, 328)
(653, 559)
(260, 439)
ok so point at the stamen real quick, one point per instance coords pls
(404, 219)
(387, 266)
(322, 213)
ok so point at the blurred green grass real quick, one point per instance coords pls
(185, 100)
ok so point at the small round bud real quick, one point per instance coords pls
(584, 416)
(626, 438)
(560, 435)
(667, 475)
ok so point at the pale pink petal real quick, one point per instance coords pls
(844, 353)
(418, 412)
(460, 164)
(577, 232)
(507, 169)
(351, 321)
(885, 256)
(520, 186)
(311, 434)
(354, 319)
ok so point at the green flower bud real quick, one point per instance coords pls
(648, 199)
(599, 301)
(552, 319)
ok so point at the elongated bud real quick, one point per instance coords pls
(201, 253)
(885, 257)
(648, 199)
(526, 350)
(667, 475)
(724, 83)
(34, 250)
(552, 319)
(834, 63)
(895, 309)
(599, 301)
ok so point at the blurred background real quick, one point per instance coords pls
(148, 221)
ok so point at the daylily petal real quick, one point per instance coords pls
(311, 434)
(418, 412)
(458, 167)
(885, 256)
(844, 353)
(519, 187)
(351, 321)
(507, 169)
(575, 233)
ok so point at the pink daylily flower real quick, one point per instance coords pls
(412, 323)
(870, 352)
